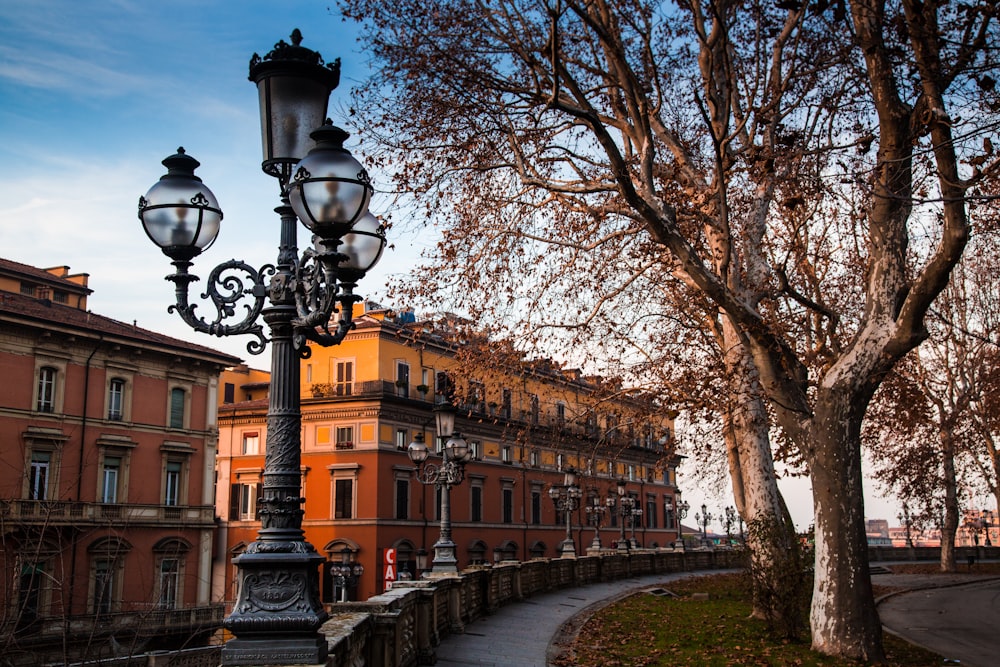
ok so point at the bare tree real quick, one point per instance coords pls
(776, 160)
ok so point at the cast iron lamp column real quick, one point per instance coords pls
(566, 498)
(904, 518)
(596, 510)
(278, 612)
(449, 473)
(347, 571)
(730, 521)
(703, 520)
(682, 511)
(626, 506)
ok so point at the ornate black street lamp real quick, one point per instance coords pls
(347, 571)
(987, 517)
(566, 498)
(278, 612)
(596, 509)
(703, 520)
(904, 518)
(628, 510)
(682, 511)
(450, 472)
(730, 521)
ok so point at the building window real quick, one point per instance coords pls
(401, 439)
(38, 475)
(507, 502)
(116, 399)
(534, 458)
(402, 498)
(403, 379)
(345, 437)
(476, 399)
(506, 403)
(536, 506)
(111, 474)
(535, 409)
(476, 498)
(505, 455)
(343, 378)
(651, 511)
(476, 450)
(560, 461)
(177, 400)
(229, 393)
(29, 593)
(251, 443)
(668, 513)
(46, 401)
(104, 586)
(343, 498)
(561, 414)
(243, 501)
(169, 583)
(172, 484)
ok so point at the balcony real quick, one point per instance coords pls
(58, 512)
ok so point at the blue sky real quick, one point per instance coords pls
(94, 94)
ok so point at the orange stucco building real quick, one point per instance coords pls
(365, 400)
(107, 448)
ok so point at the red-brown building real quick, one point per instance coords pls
(108, 436)
(365, 400)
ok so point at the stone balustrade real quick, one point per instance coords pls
(402, 626)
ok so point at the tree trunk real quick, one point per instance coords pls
(751, 468)
(843, 615)
(950, 501)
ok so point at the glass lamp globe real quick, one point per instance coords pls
(330, 190)
(179, 213)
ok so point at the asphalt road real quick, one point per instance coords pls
(959, 622)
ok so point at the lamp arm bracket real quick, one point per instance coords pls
(317, 296)
(228, 284)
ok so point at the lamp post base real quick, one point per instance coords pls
(567, 549)
(445, 561)
(278, 613)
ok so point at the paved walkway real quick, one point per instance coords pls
(524, 634)
(521, 634)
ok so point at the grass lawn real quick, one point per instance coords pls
(646, 629)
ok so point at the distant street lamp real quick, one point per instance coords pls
(450, 472)
(682, 511)
(566, 498)
(596, 509)
(346, 572)
(278, 613)
(730, 521)
(904, 518)
(987, 517)
(628, 510)
(703, 520)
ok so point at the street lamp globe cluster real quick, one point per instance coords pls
(703, 520)
(455, 453)
(596, 509)
(630, 512)
(278, 612)
(566, 498)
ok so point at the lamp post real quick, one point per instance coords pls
(682, 511)
(277, 613)
(730, 521)
(703, 519)
(987, 517)
(566, 498)
(596, 509)
(347, 571)
(904, 518)
(626, 511)
(450, 472)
